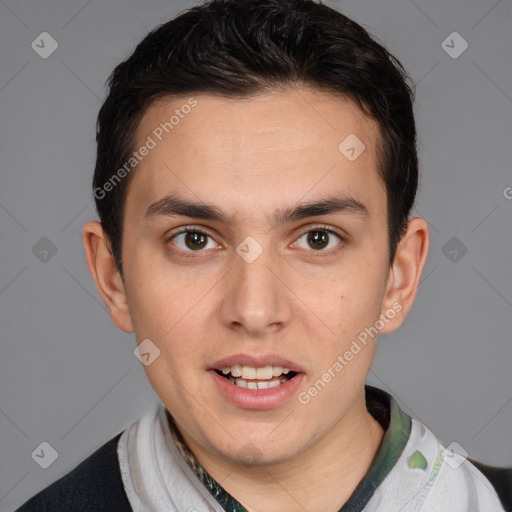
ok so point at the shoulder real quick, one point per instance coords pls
(500, 478)
(460, 482)
(95, 484)
(454, 482)
(430, 477)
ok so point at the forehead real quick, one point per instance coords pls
(264, 150)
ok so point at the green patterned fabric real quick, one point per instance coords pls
(384, 408)
(226, 501)
(381, 405)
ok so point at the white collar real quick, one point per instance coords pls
(156, 478)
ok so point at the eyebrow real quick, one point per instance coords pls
(172, 205)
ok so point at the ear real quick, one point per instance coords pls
(103, 270)
(404, 275)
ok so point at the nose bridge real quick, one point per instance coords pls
(255, 297)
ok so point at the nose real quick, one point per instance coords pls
(256, 298)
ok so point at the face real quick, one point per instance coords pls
(229, 266)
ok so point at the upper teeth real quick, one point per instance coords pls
(250, 372)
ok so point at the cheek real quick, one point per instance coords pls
(354, 300)
(175, 318)
(160, 295)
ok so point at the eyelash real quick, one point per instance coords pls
(327, 229)
(318, 227)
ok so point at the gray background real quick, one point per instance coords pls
(69, 377)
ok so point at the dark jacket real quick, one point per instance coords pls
(95, 485)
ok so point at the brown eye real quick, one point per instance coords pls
(195, 240)
(192, 241)
(320, 239)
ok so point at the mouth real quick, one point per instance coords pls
(251, 377)
(257, 382)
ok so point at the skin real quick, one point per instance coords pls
(250, 157)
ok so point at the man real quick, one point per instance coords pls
(255, 173)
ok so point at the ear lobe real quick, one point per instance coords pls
(101, 265)
(405, 273)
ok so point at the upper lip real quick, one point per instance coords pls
(256, 362)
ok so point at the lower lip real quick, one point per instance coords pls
(261, 399)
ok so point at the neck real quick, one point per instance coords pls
(338, 462)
